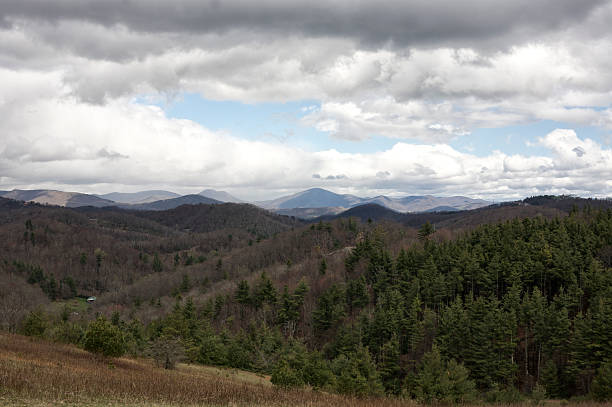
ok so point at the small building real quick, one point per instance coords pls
(91, 299)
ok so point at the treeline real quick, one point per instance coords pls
(522, 307)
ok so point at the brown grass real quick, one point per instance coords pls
(36, 373)
(40, 372)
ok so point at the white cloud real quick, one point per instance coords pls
(123, 145)
(401, 70)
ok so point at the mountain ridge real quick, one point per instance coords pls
(166, 204)
(59, 198)
(305, 204)
(220, 196)
(315, 199)
(140, 197)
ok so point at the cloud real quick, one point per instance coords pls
(90, 153)
(579, 151)
(443, 75)
(402, 22)
(104, 153)
(424, 72)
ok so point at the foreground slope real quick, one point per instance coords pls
(41, 373)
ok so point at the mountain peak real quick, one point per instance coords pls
(315, 198)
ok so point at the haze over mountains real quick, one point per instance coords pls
(307, 204)
(303, 204)
(139, 197)
(220, 196)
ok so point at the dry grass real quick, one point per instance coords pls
(36, 373)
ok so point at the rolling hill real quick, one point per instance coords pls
(547, 207)
(204, 218)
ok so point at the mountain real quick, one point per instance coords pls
(428, 202)
(321, 198)
(139, 197)
(312, 198)
(59, 198)
(220, 196)
(166, 204)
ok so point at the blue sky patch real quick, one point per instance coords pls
(280, 123)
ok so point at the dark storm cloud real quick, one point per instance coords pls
(402, 22)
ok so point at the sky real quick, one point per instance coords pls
(490, 99)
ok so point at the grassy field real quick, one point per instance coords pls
(37, 373)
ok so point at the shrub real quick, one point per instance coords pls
(509, 395)
(285, 376)
(104, 338)
(538, 394)
(34, 324)
(67, 332)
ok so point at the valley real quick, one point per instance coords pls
(377, 293)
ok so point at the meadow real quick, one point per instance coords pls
(40, 373)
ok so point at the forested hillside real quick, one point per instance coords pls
(437, 313)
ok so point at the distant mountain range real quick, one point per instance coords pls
(59, 198)
(166, 204)
(307, 204)
(303, 204)
(139, 197)
(143, 201)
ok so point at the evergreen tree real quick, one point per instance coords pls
(264, 291)
(323, 266)
(438, 381)
(356, 374)
(243, 293)
(330, 309)
(602, 384)
(389, 366)
(158, 266)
